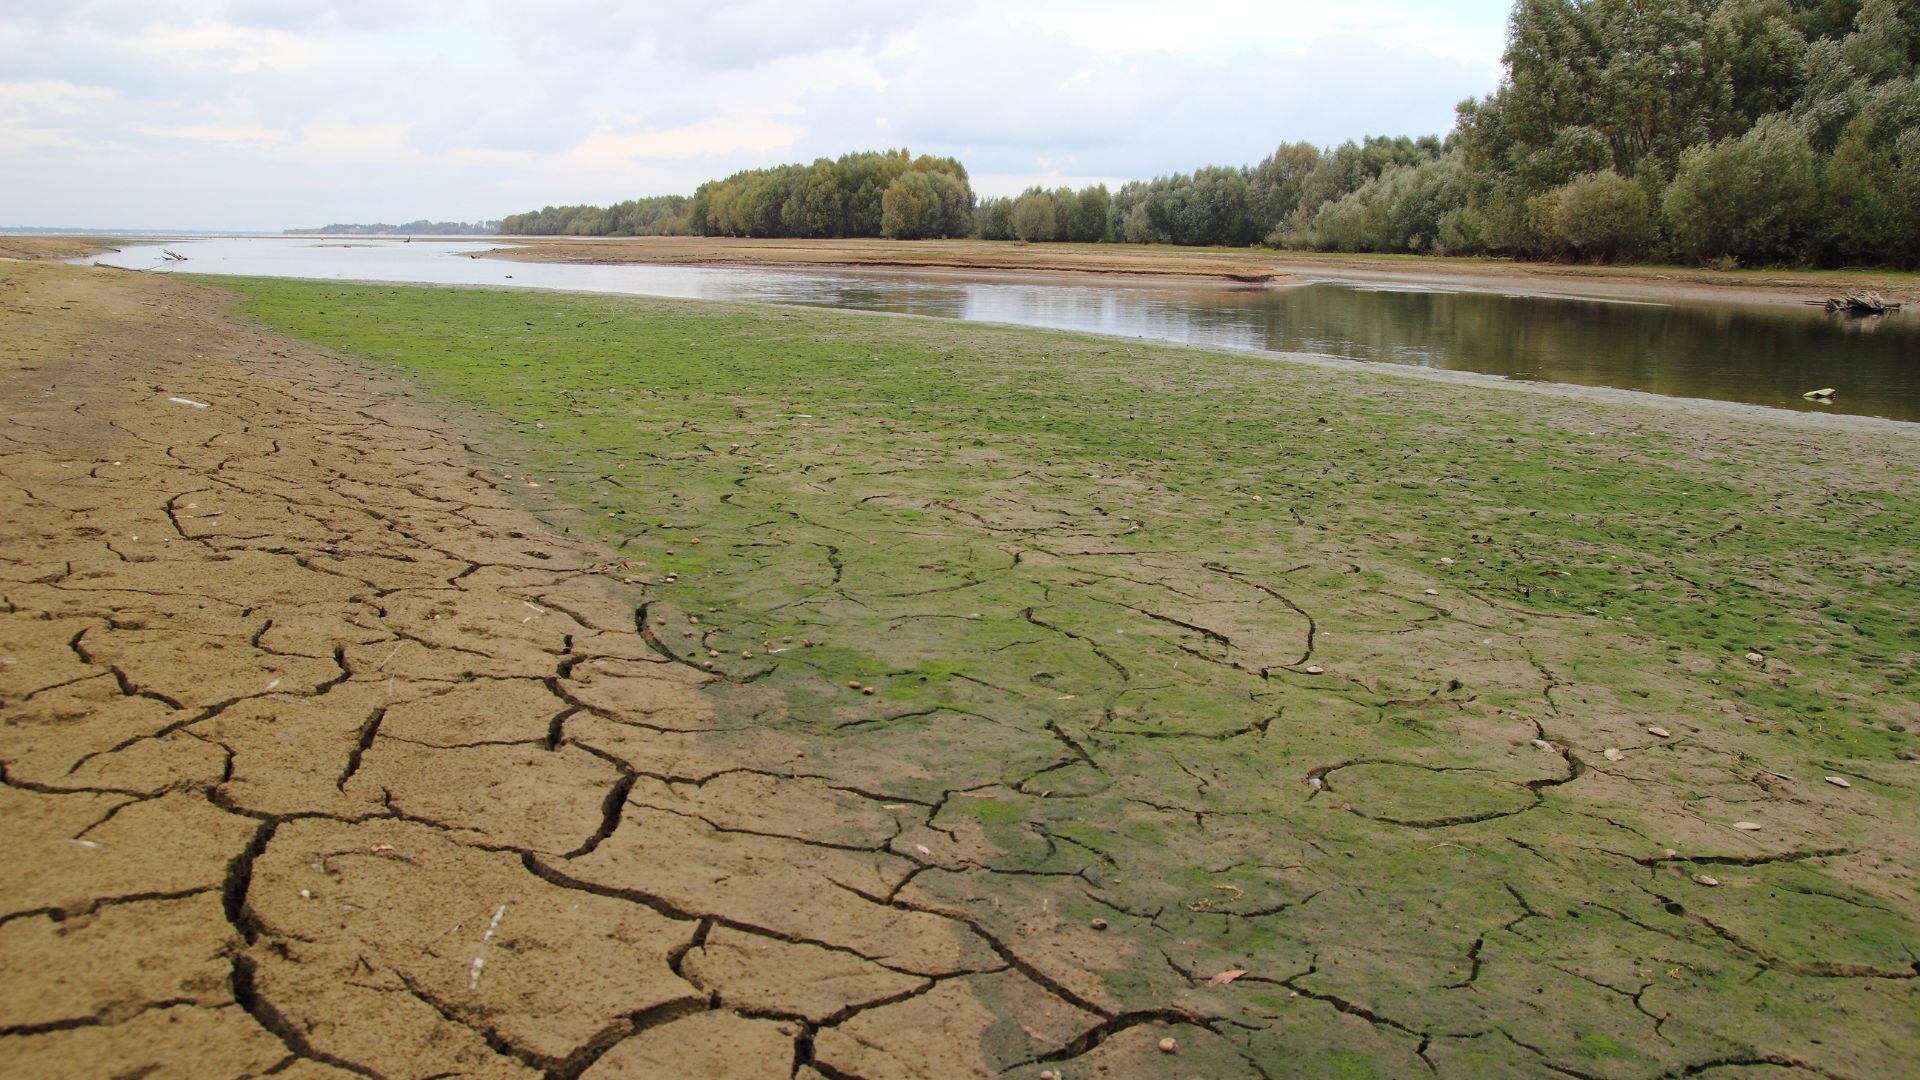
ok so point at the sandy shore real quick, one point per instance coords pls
(291, 689)
(1225, 266)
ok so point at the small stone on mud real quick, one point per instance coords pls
(868, 690)
(1544, 745)
(745, 654)
(1756, 658)
(1660, 731)
(1168, 1046)
(1098, 924)
(1316, 783)
(1747, 826)
(1671, 853)
(1315, 669)
(1702, 879)
(1839, 781)
(853, 684)
(1612, 754)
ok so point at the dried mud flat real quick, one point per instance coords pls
(291, 786)
(328, 752)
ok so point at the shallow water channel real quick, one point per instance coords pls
(1758, 354)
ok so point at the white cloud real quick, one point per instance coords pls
(207, 43)
(52, 97)
(719, 135)
(274, 112)
(224, 134)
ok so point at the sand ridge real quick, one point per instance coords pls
(296, 698)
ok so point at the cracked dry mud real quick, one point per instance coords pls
(333, 745)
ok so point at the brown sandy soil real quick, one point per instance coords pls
(290, 686)
(1225, 265)
(51, 247)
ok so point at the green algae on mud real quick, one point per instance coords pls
(1310, 673)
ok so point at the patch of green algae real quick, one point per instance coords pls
(1302, 671)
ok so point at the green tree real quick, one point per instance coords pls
(955, 216)
(1085, 215)
(1601, 216)
(1755, 198)
(1035, 216)
(1873, 182)
(1401, 210)
(1274, 185)
(910, 208)
(993, 219)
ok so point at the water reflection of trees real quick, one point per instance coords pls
(1753, 354)
(1762, 355)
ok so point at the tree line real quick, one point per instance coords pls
(418, 227)
(887, 193)
(659, 215)
(1720, 132)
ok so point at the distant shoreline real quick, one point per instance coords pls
(1219, 266)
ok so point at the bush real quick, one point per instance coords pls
(1873, 182)
(1601, 215)
(1401, 210)
(1756, 198)
(993, 219)
(922, 205)
(1035, 216)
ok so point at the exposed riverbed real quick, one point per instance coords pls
(1761, 355)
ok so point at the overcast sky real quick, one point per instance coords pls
(265, 114)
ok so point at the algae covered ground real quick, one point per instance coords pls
(1335, 723)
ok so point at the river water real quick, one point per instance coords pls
(1758, 354)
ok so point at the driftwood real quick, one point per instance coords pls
(1862, 303)
(173, 256)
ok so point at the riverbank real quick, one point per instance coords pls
(997, 701)
(33, 248)
(1231, 266)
